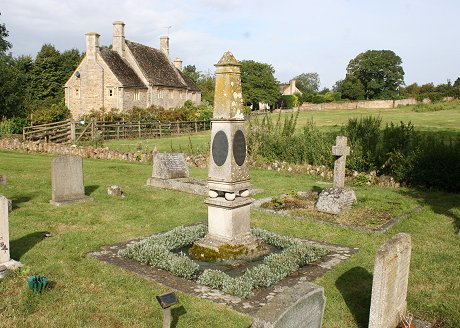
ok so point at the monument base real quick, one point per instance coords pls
(335, 200)
(229, 229)
(12, 264)
(70, 201)
(229, 186)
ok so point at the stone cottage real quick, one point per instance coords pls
(126, 76)
(289, 89)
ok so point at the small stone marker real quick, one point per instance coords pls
(67, 181)
(169, 166)
(115, 190)
(337, 199)
(342, 151)
(2, 180)
(5, 236)
(302, 306)
(389, 286)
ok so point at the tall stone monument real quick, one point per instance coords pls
(5, 259)
(228, 175)
(338, 198)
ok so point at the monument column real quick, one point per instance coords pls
(228, 175)
(5, 259)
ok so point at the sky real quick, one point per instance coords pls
(294, 36)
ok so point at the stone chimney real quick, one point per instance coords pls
(178, 64)
(118, 38)
(164, 45)
(92, 45)
(292, 87)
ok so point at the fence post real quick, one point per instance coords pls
(72, 131)
(139, 128)
(178, 127)
(93, 128)
(196, 127)
(159, 125)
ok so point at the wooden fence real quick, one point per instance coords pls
(72, 132)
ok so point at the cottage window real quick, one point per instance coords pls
(77, 93)
(171, 94)
(110, 92)
(136, 95)
(160, 93)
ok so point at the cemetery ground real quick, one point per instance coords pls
(88, 293)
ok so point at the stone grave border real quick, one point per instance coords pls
(250, 306)
(383, 228)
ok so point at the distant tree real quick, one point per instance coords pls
(258, 83)
(5, 45)
(70, 59)
(350, 88)
(307, 82)
(191, 72)
(379, 71)
(206, 83)
(12, 87)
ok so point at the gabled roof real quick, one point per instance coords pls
(157, 68)
(120, 67)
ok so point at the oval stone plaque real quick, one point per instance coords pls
(239, 147)
(220, 148)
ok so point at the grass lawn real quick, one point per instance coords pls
(88, 293)
(445, 122)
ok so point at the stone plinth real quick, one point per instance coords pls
(335, 200)
(389, 285)
(302, 306)
(228, 221)
(67, 181)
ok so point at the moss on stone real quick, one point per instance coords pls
(226, 251)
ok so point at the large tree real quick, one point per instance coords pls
(379, 71)
(308, 82)
(205, 81)
(258, 83)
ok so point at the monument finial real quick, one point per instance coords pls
(228, 59)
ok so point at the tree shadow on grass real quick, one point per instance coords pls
(17, 201)
(90, 189)
(175, 314)
(355, 285)
(442, 203)
(22, 245)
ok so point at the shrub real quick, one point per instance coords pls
(289, 101)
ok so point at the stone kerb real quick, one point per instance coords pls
(389, 286)
(301, 306)
(67, 180)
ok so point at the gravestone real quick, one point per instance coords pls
(5, 259)
(228, 173)
(337, 199)
(67, 181)
(389, 285)
(169, 166)
(115, 191)
(302, 306)
(341, 150)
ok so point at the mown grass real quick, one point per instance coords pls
(88, 293)
(442, 122)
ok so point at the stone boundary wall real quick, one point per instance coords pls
(371, 104)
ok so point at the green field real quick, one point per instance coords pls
(88, 293)
(443, 122)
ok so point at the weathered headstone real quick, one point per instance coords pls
(341, 150)
(389, 286)
(228, 173)
(169, 166)
(302, 306)
(67, 181)
(2, 180)
(337, 199)
(5, 236)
